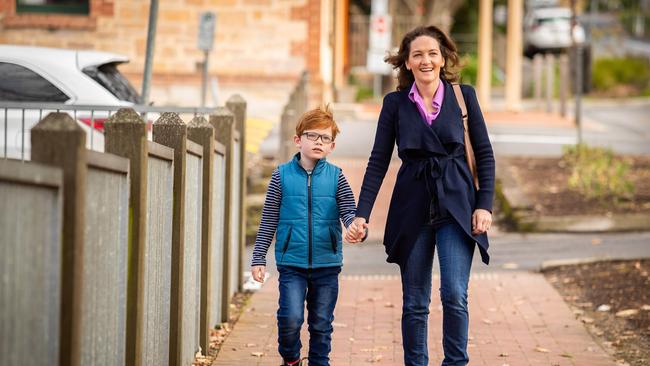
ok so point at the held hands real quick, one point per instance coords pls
(258, 273)
(356, 232)
(481, 221)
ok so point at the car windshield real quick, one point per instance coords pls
(557, 20)
(108, 76)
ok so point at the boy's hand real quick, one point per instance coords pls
(258, 273)
(356, 231)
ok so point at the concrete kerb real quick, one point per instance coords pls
(552, 264)
(518, 209)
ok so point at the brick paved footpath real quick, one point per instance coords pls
(516, 318)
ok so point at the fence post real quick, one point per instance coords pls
(201, 132)
(126, 136)
(538, 60)
(223, 122)
(550, 77)
(237, 105)
(57, 140)
(171, 131)
(564, 82)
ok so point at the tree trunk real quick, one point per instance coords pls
(441, 13)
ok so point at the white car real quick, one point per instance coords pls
(549, 30)
(50, 75)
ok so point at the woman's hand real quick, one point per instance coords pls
(481, 221)
(356, 231)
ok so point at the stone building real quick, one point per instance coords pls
(260, 46)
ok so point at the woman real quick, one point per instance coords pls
(434, 202)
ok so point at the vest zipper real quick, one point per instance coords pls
(309, 216)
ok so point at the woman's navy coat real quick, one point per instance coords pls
(433, 162)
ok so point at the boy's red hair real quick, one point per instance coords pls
(316, 119)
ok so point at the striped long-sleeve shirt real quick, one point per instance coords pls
(271, 213)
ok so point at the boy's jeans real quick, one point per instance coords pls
(320, 288)
(455, 253)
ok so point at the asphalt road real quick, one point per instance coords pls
(508, 251)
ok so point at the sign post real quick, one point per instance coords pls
(207, 21)
(379, 42)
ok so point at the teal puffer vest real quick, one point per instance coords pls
(309, 230)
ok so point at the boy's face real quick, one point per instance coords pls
(318, 149)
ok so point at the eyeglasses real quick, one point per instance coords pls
(313, 136)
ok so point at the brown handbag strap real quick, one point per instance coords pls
(469, 150)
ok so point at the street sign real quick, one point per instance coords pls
(207, 21)
(380, 29)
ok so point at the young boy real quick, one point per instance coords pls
(305, 200)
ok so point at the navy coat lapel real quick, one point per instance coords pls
(414, 132)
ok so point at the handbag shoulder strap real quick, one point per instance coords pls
(461, 103)
(469, 150)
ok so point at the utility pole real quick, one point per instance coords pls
(151, 40)
(578, 62)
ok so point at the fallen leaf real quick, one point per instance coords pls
(487, 321)
(375, 358)
(541, 350)
(587, 320)
(249, 345)
(351, 339)
(567, 355)
(604, 308)
(257, 354)
(503, 354)
(627, 312)
(389, 305)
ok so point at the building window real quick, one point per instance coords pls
(53, 6)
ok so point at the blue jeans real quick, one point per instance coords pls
(455, 252)
(320, 288)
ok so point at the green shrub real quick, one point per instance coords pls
(469, 71)
(597, 173)
(609, 73)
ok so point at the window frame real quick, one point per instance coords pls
(70, 9)
(41, 20)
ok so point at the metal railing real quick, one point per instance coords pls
(17, 118)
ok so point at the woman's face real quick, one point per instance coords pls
(425, 59)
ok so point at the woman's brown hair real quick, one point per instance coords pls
(448, 49)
